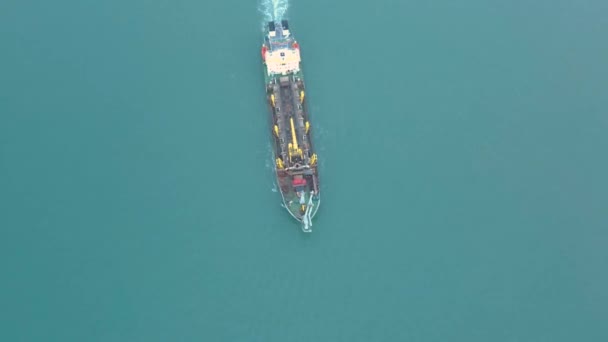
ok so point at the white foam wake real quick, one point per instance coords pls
(274, 10)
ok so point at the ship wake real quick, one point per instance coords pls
(273, 10)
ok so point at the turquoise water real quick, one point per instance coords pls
(463, 164)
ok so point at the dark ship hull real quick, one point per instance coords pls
(294, 154)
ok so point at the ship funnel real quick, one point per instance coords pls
(271, 29)
(285, 26)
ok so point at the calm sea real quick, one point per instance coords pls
(463, 171)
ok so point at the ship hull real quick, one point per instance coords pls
(296, 164)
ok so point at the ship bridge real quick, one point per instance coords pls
(283, 54)
(282, 61)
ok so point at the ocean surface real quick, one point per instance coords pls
(464, 172)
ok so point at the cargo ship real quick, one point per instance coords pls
(295, 159)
